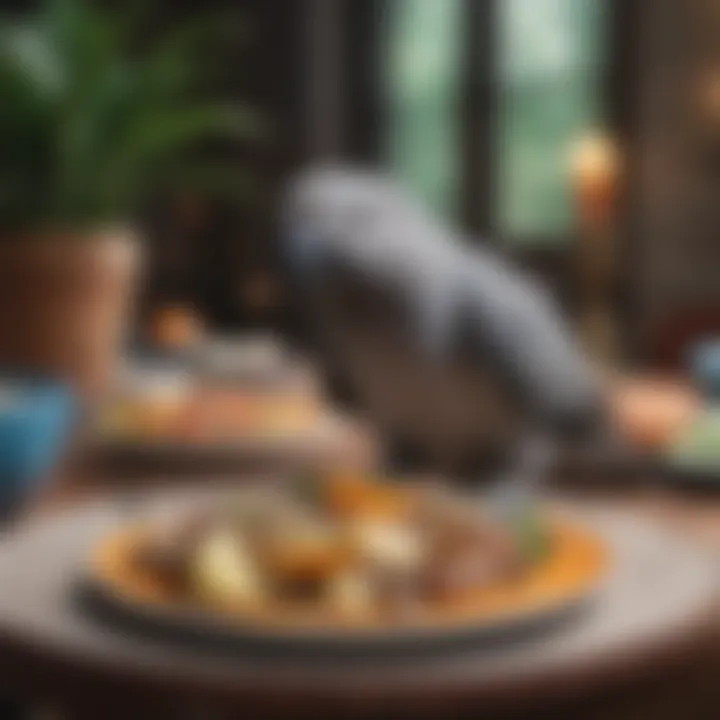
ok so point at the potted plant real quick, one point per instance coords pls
(95, 119)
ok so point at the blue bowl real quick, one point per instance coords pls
(705, 367)
(36, 418)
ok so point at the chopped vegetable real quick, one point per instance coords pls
(352, 546)
(532, 536)
(224, 571)
(388, 544)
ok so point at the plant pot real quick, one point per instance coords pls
(65, 300)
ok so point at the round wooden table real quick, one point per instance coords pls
(651, 631)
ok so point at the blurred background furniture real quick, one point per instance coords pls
(225, 404)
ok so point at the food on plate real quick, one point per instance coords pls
(207, 416)
(148, 402)
(352, 549)
(225, 413)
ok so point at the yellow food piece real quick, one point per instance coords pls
(224, 572)
(388, 544)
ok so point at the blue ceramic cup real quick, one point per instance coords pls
(36, 418)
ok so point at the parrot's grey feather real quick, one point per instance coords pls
(361, 227)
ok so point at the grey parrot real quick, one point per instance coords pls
(447, 348)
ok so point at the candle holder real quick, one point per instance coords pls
(595, 175)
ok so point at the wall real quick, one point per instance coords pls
(678, 233)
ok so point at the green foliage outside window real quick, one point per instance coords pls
(548, 75)
(423, 64)
(551, 60)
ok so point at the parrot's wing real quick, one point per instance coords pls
(518, 319)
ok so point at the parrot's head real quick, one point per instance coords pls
(354, 215)
(320, 207)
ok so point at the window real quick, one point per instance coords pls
(550, 81)
(546, 74)
(422, 85)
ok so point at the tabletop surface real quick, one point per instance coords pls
(639, 620)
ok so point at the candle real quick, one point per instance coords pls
(595, 168)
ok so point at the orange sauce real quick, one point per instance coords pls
(355, 497)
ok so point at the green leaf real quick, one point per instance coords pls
(28, 47)
(185, 55)
(167, 134)
(27, 126)
(532, 535)
(205, 179)
(94, 113)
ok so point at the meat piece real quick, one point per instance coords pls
(168, 551)
(469, 565)
(466, 551)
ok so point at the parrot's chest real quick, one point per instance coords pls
(451, 404)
